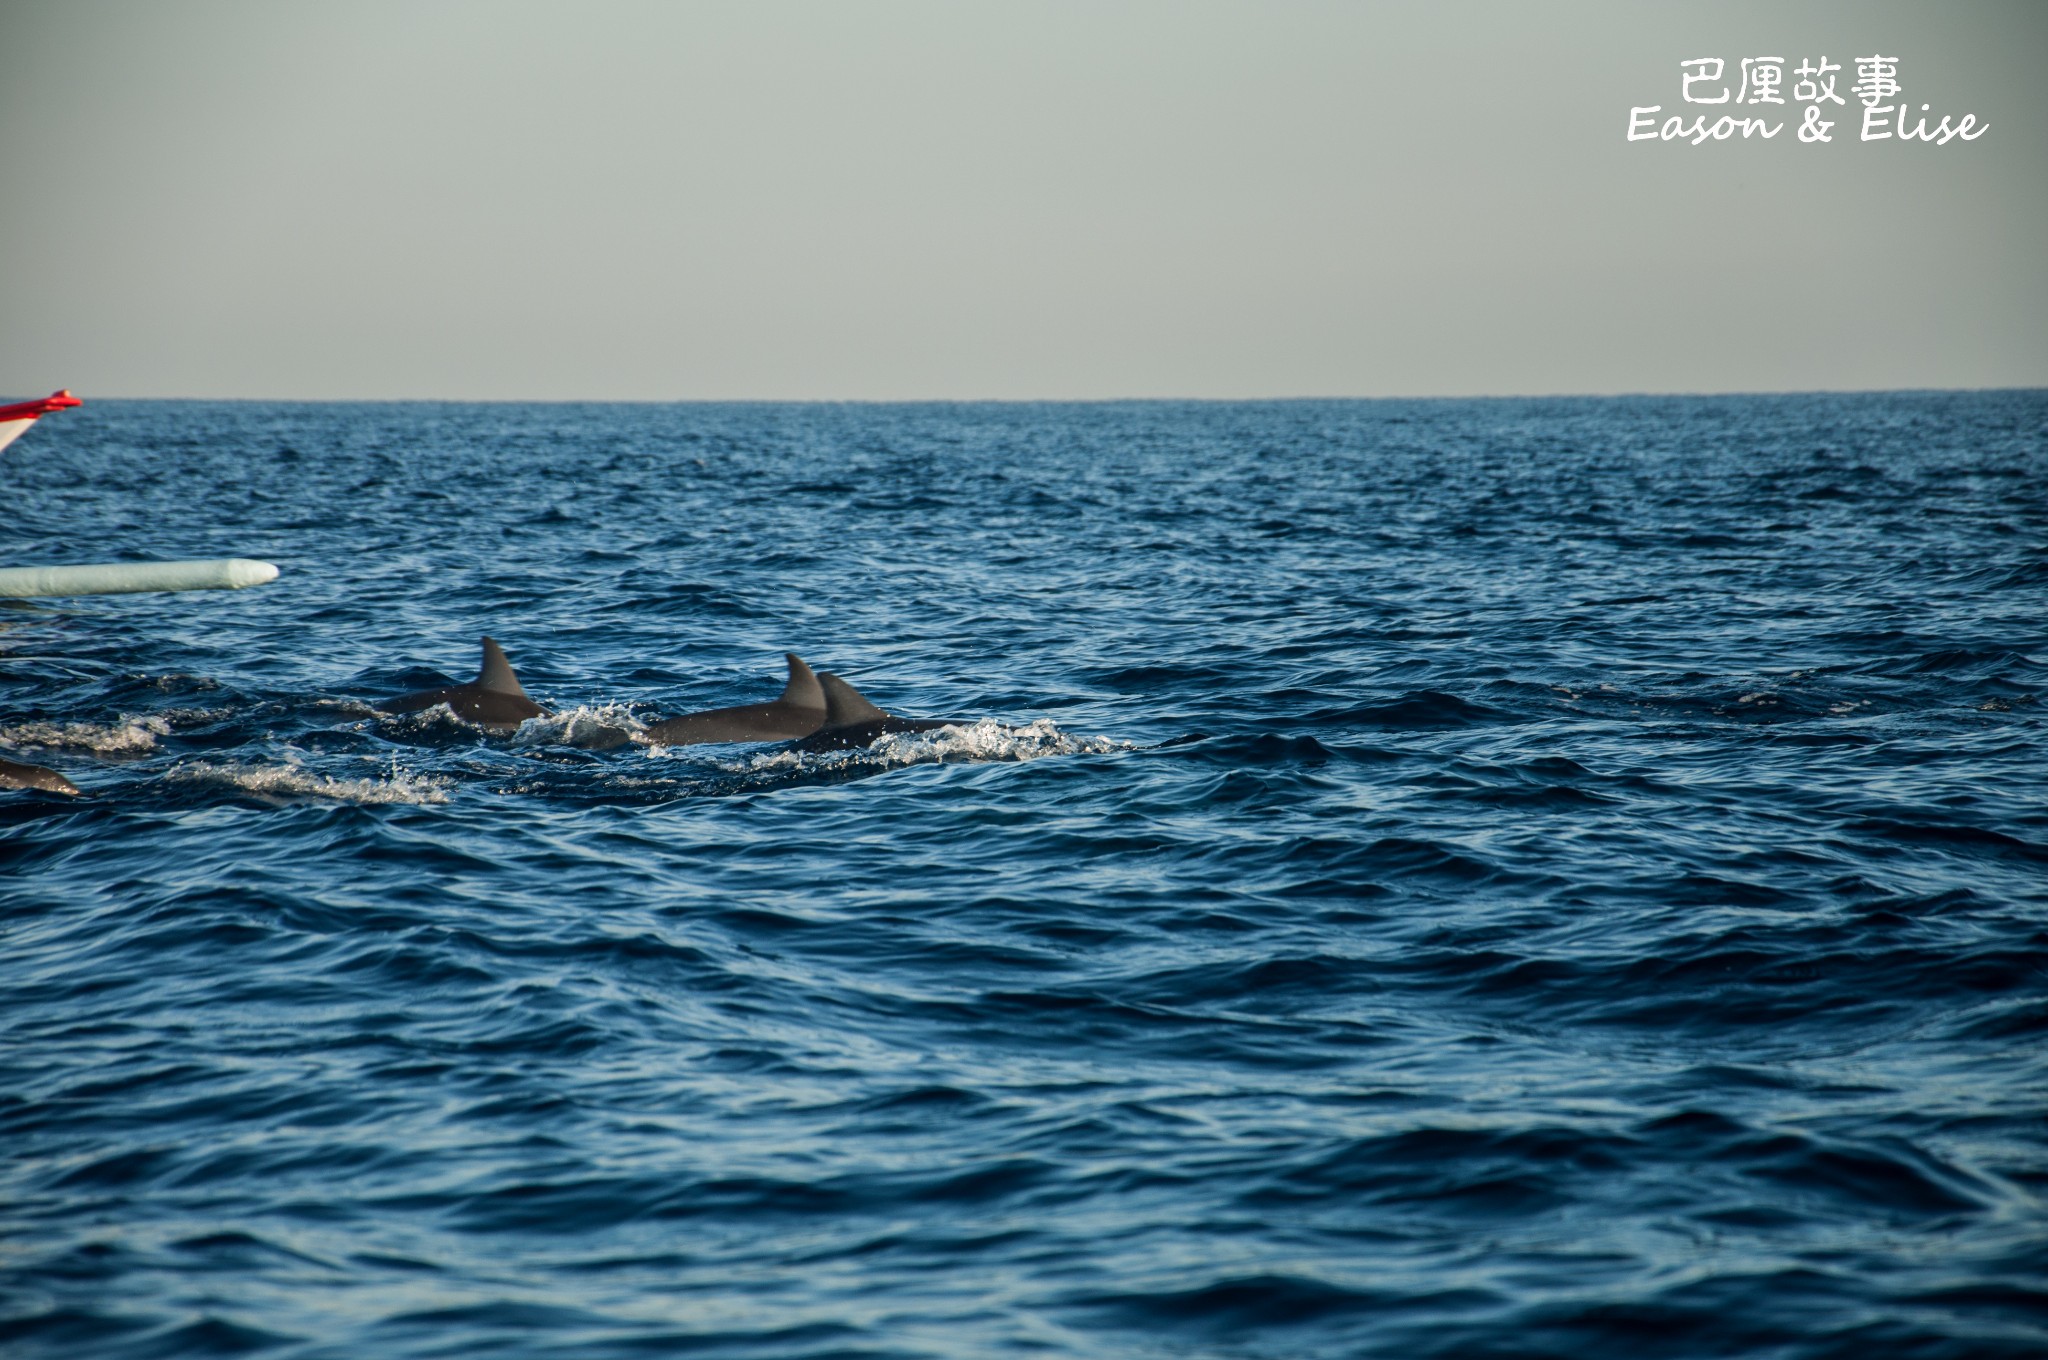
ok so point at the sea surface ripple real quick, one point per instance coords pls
(1544, 877)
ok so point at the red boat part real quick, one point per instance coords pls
(29, 410)
(22, 414)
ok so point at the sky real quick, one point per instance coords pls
(941, 199)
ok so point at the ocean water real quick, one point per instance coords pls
(1448, 878)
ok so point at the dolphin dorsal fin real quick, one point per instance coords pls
(844, 704)
(803, 689)
(496, 674)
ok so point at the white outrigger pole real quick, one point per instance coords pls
(108, 578)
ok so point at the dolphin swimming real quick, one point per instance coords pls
(493, 700)
(851, 721)
(799, 712)
(15, 775)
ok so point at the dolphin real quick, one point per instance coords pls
(799, 712)
(851, 721)
(493, 700)
(15, 775)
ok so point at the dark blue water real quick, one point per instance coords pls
(1561, 877)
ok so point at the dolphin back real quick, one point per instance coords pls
(803, 689)
(845, 705)
(851, 721)
(496, 672)
(798, 713)
(14, 774)
(495, 699)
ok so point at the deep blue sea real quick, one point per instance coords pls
(1558, 877)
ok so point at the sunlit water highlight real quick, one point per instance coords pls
(1551, 877)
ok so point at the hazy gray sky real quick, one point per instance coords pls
(958, 200)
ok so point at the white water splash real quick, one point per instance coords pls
(127, 735)
(291, 782)
(980, 741)
(593, 726)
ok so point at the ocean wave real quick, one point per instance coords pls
(1449, 963)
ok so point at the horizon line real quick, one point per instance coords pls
(1076, 401)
